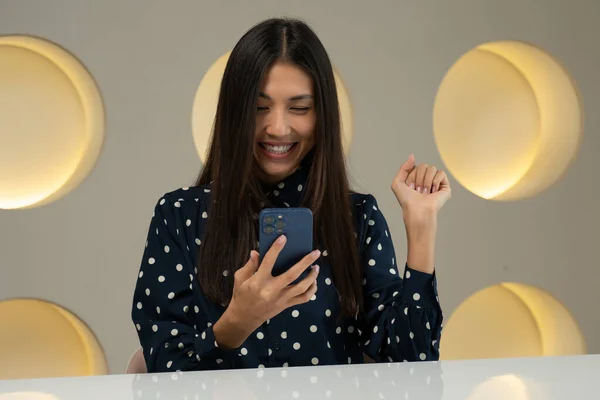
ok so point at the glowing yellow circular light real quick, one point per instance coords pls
(501, 387)
(507, 120)
(207, 96)
(40, 339)
(27, 396)
(51, 122)
(510, 320)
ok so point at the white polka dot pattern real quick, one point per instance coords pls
(401, 315)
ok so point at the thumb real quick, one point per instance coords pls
(246, 272)
(406, 168)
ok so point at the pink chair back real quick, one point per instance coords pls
(136, 364)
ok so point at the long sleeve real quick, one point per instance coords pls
(167, 310)
(403, 318)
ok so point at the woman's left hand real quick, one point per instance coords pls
(421, 190)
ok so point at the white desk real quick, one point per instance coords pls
(510, 379)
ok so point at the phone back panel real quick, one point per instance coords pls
(296, 224)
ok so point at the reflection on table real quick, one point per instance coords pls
(515, 379)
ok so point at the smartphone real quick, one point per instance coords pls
(296, 223)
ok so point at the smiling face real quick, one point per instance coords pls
(285, 121)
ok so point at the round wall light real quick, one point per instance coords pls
(507, 120)
(51, 122)
(39, 339)
(510, 320)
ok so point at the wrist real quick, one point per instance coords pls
(420, 225)
(231, 331)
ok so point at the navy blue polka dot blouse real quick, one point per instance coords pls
(174, 320)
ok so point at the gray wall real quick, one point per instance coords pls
(148, 57)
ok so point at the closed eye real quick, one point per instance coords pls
(295, 109)
(300, 110)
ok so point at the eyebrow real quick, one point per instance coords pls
(299, 97)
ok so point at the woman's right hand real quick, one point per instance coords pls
(259, 296)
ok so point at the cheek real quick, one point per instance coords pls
(307, 131)
(259, 126)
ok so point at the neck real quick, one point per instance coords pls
(273, 179)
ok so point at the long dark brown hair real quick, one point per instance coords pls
(237, 192)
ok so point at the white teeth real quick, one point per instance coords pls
(277, 149)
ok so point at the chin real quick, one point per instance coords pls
(277, 174)
(277, 167)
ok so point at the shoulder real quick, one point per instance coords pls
(370, 221)
(363, 202)
(183, 203)
(187, 195)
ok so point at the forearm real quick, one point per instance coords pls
(421, 234)
(409, 325)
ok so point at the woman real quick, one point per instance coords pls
(203, 301)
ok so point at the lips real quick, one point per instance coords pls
(277, 149)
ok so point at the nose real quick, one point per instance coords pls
(277, 124)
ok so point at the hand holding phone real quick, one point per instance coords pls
(259, 296)
(281, 276)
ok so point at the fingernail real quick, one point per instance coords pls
(315, 253)
(316, 268)
(419, 189)
(412, 186)
(281, 239)
(433, 189)
(425, 190)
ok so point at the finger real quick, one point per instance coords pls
(440, 176)
(428, 180)
(303, 297)
(405, 169)
(302, 286)
(412, 177)
(421, 169)
(246, 272)
(293, 273)
(445, 182)
(265, 269)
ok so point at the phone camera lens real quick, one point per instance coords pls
(279, 224)
(268, 229)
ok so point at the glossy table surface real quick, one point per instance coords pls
(515, 379)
